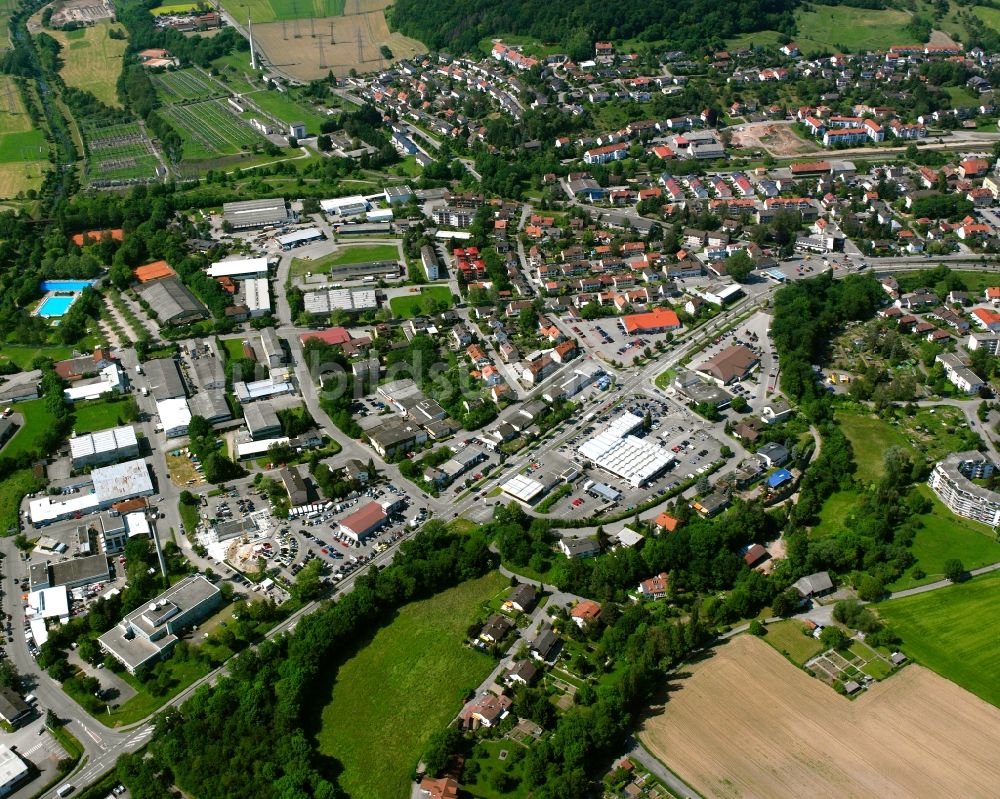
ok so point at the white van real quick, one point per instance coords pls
(65, 790)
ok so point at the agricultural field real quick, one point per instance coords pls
(92, 60)
(311, 49)
(951, 631)
(408, 306)
(211, 129)
(278, 10)
(23, 149)
(174, 8)
(746, 722)
(345, 255)
(406, 683)
(845, 29)
(119, 153)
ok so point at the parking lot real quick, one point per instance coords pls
(607, 339)
(673, 427)
(753, 333)
(287, 545)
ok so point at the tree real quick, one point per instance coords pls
(954, 569)
(833, 637)
(786, 603)
(739, 266)
(739, 404)
(308, 582)
(441, 746)
(52, 721)
(324, 143)
(756, 628)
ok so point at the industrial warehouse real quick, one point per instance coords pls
(248, 214)
(625, 456)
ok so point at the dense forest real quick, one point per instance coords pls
(459, 25)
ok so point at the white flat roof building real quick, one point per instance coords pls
(12, 769)
(110, 380)
(258, 296)
(380, 215)
(329, 300)
(48, 603)
(175, 416)
(239, 269)
(103, 446)
(111, 484)
(523, 488)
(298, 237)
(345, 206)
(138, 524)
(632, 459)
(260, 389)
(254, 449)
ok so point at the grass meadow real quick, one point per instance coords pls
(407, 683)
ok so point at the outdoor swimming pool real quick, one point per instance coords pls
(54, 307)
(66, 285)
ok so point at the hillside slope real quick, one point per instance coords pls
(458, 25)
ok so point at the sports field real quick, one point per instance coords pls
(843, 28)
(408, 306)
(746, 722)
(92, 60)
(952, 631)
(406, 684)
(345, 255)
(23, 150)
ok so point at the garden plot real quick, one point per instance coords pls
(185, 85)
(119, 154)
(214, 126)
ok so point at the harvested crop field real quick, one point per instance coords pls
(746, 722)
(310, 49)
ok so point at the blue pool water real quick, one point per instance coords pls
(66, 285)
(54, 307)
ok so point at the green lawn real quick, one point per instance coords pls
(408, 306)
(756, 39)
(951, 631)
(97, 415)
(787, 637)
(12, 490)
(406, 684)
(37, 420)
(357, 254)
(990, 16)
(961, 97)
(870, 438)
(25, 356)
(835, 511)
(190, 516)
(487, 754)
(839, 28)
(233, 348)
(944, 535)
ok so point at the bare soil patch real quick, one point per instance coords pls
(746, 722)
(311, 49)
(777, 139)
